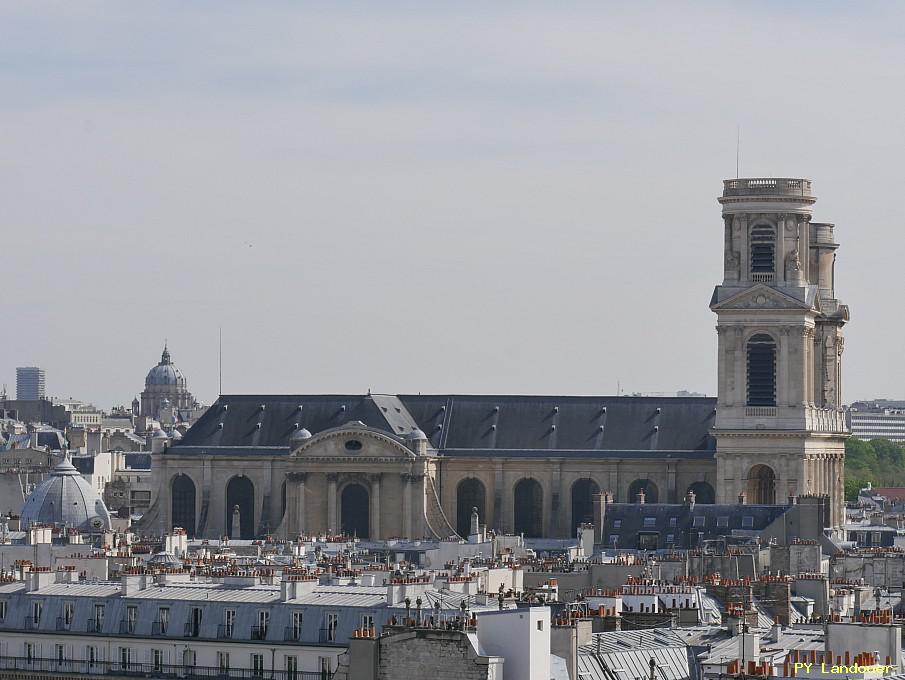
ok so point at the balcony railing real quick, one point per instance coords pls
(31, 624)
(192, 629)
(61, 623)
(259, 632)
(94, 626)
(762, 277)
(127, 626)
(225, 631)
(158, 628)
(292, 633)
(769, 186)
(760, 411)
(70, 667)
(327, 635)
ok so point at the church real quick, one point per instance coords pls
(383, 466)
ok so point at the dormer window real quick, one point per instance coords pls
(763, 250)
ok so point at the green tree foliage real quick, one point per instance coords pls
(878, 461)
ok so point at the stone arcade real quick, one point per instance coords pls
(383, 466)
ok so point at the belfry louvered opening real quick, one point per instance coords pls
(763, 249)
(761, 371)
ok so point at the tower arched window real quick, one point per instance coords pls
(763, 249)
(761, 370)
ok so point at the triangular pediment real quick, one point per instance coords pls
(760, 296)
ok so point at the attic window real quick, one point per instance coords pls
(353, 445)
(722, 521)
(673, 521)
(699, 520)
(617, 523)
(748, 521)
(650, 521)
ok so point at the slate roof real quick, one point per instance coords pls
(626, 655)
(471, 425)
(626, 521)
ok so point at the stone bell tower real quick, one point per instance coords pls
(780, 429)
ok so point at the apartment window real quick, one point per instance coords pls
(36, 609)
(650, 522)
(332, 622)
(617, 523)
(229, 620)
(297, 619)
(131, 618)
(540, 624)
(91, 656)
(722, 521)
(195, 622)
(125, 658)
(325, 663)
(263, 620)
(157, 659)
(257, 665)
(29, 652)
(673, 521)
(61, 655)
(699, 520)
(367, 621)
(2, 610)
(163, 619)
(670, 538)
(747, 522)
(188, 658)
(223, 661)
(98, 617)
(68, 612)
(292, 668)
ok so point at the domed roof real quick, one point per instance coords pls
(159, 434)
(66, 499)
(165, 373)
(300, 435)
(176, 435)
(417, 435)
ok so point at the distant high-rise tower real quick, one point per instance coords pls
(29, 383)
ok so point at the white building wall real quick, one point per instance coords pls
(522, 637)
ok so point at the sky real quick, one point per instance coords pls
(428, 197)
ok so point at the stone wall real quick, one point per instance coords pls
(435, 654)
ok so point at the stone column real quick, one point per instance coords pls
(557, 501)
(783, 396)
(497, 504)
(671, 491)
(741, 375)
(803, 341)
(375, 506)
(331, 502)
(745, 264)
(780, 249)
(614, 483)
(297, 479)
(724, 396)
(406, 505)
(804, 251)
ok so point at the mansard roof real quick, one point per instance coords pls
(464, 424)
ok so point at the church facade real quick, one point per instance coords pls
(384, 466)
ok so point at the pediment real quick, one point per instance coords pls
(354, 443)
(760, 296)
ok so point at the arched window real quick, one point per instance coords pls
(183, 504)
(583, 492)
(647, 486)
(763, 249)
(761, 486)
(241, 492)
(529, 508)
(703, 493)
(469, 494)
(761, 371)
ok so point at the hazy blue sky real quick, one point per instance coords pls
(458, 197)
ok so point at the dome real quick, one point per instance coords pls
(159, 434)
(417, 435)
(299, 435)
(176, 435)
(65, 498)
(165, 373)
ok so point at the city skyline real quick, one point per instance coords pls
(413, 199)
